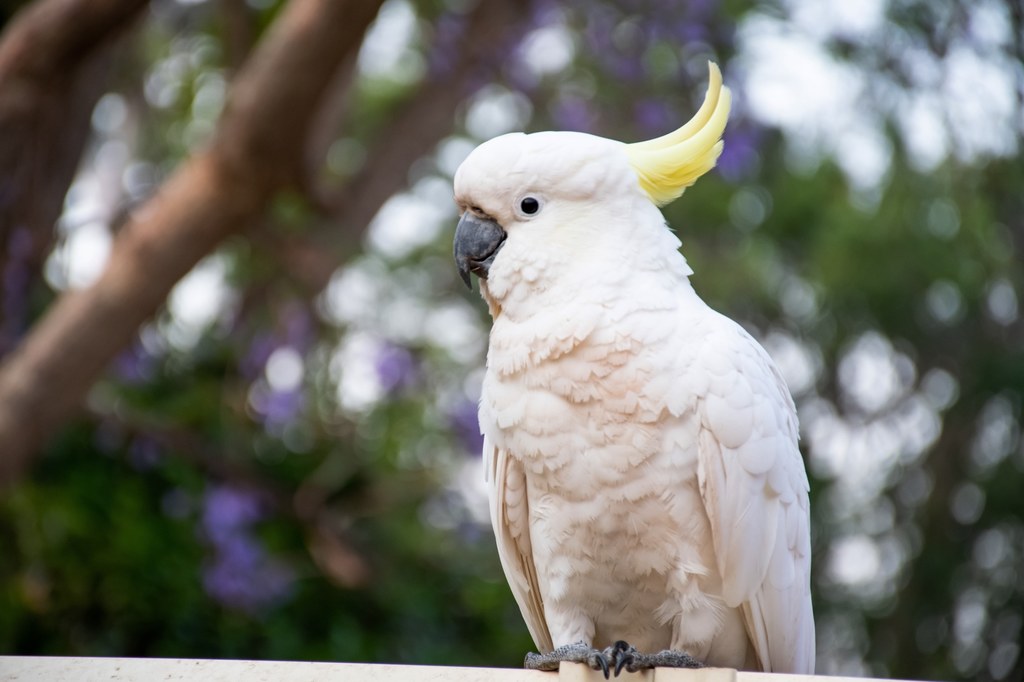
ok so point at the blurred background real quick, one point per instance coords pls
(239, 374)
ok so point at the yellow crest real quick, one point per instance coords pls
(669, 164)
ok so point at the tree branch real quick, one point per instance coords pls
(238, 26)
(423, 120)
(49, 36)
(55, 57)
(256, 150)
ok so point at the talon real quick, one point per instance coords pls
(578, 652)
(622, 654)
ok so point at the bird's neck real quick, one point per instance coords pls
(634, 262)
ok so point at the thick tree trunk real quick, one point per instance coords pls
(257, 149)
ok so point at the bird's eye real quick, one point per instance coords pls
(529, 205)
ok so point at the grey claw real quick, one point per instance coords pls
(626, 656)
(579, 652)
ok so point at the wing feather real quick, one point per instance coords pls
(510, 516)
(755, 492)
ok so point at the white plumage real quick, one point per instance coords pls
(641, 449)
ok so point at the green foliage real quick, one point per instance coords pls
(220, 500)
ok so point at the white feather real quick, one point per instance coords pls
(645, 478)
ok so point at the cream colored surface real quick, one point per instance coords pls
(574, 672)
(61, 669)
(46, 669)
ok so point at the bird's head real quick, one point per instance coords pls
(528, 199)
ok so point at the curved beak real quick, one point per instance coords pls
(477, 242)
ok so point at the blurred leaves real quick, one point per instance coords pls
(282, 469)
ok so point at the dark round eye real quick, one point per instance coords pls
(529, 205)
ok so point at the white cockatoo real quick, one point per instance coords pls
(640, 448)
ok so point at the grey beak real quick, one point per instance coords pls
(477, 242)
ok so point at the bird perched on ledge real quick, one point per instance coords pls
(647, 493)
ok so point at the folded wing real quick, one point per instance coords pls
(510, 515)
(755, 491)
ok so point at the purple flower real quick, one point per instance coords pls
(654, 117)
(687, 32)
(298, 325)
(740, 157)
(449, 30)
(464, 422)
(702, 8)
(134, 365)
(573, 113)
(242, 576)
(628, 68)
(276, 409)
(396, 367)
(240, 573)
(518, 77)
(598, 32)
(228, 510)
(255, 358)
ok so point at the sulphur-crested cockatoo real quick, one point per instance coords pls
(640, 448)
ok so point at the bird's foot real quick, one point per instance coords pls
(622, 656)
(580, 652)
(616, 658)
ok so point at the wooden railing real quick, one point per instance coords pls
(68, 669)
